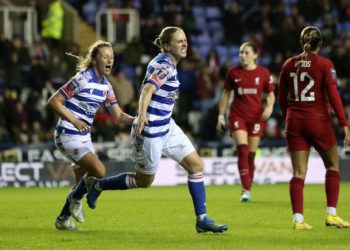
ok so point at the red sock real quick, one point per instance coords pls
(296, 193)
(251, 159)
(332, 187)
(243, 166)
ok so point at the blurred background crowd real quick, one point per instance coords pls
(215, 30)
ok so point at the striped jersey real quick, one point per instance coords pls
(83, 95)
(162, 73)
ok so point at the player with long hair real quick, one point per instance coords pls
(155, 133)
(247, 118)
(76, 103)
(307, 83)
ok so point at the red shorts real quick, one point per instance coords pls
(253, 129)
(301, 134)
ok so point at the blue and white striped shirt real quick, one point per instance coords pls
(83, 95)
(162, 73)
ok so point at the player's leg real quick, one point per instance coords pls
(253, 143)
(296, 187)
(147, 158)
(241, 139)
(255, 131)
(179, 148)
(327, 148)
(299, 149)
(332, 187)
(73, 205)
(193, 164)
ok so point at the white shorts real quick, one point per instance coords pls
(148, 151)
(74, 147)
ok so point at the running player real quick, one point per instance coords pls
(155, 133)
(77, 103)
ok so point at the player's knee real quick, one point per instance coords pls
(100, 173)
(144, 181)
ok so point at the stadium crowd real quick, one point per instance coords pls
(29, 75)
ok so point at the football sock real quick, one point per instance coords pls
(65, 213)
(80, 189)
(332, 187)
(201, 217)
(296, 192)
(332, 211)
(243, 166)
(251, 158)
(119, 182)
(298, 217)
(197, 190)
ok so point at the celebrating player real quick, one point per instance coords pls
(77, 103)
(307, 82)
(247, 116)
(155, 133)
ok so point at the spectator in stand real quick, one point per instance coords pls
(52, 25)
(125, 91)
(307, 81)
(39, 49)
(247, 118)
(13, 74)
(38, 75)
(233, 25)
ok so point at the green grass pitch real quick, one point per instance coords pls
(162, 218)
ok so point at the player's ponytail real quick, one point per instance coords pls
(310, 40)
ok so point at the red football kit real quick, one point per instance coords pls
(246, 107)
(304, 94)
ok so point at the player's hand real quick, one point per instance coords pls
(81, 126)
(141, 122)
(267, 113)
(221, 125)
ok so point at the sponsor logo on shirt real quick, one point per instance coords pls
(89, 110)
(247, 91)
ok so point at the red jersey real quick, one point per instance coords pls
(304, 94)
(248, 86)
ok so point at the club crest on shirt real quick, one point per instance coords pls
(257, 80)
(333, 73)
(72, 85)
(162, 73)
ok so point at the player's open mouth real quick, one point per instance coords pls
(108, 67)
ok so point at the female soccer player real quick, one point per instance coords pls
(248, 115)
(77, 103)
(307, 82)
(155, 133)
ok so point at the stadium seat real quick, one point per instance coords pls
(204, 50)
(200, 23)
(204, 39)
(198, 11)
(213, 12)
(223, 53)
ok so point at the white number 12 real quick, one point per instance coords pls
(305, 95)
